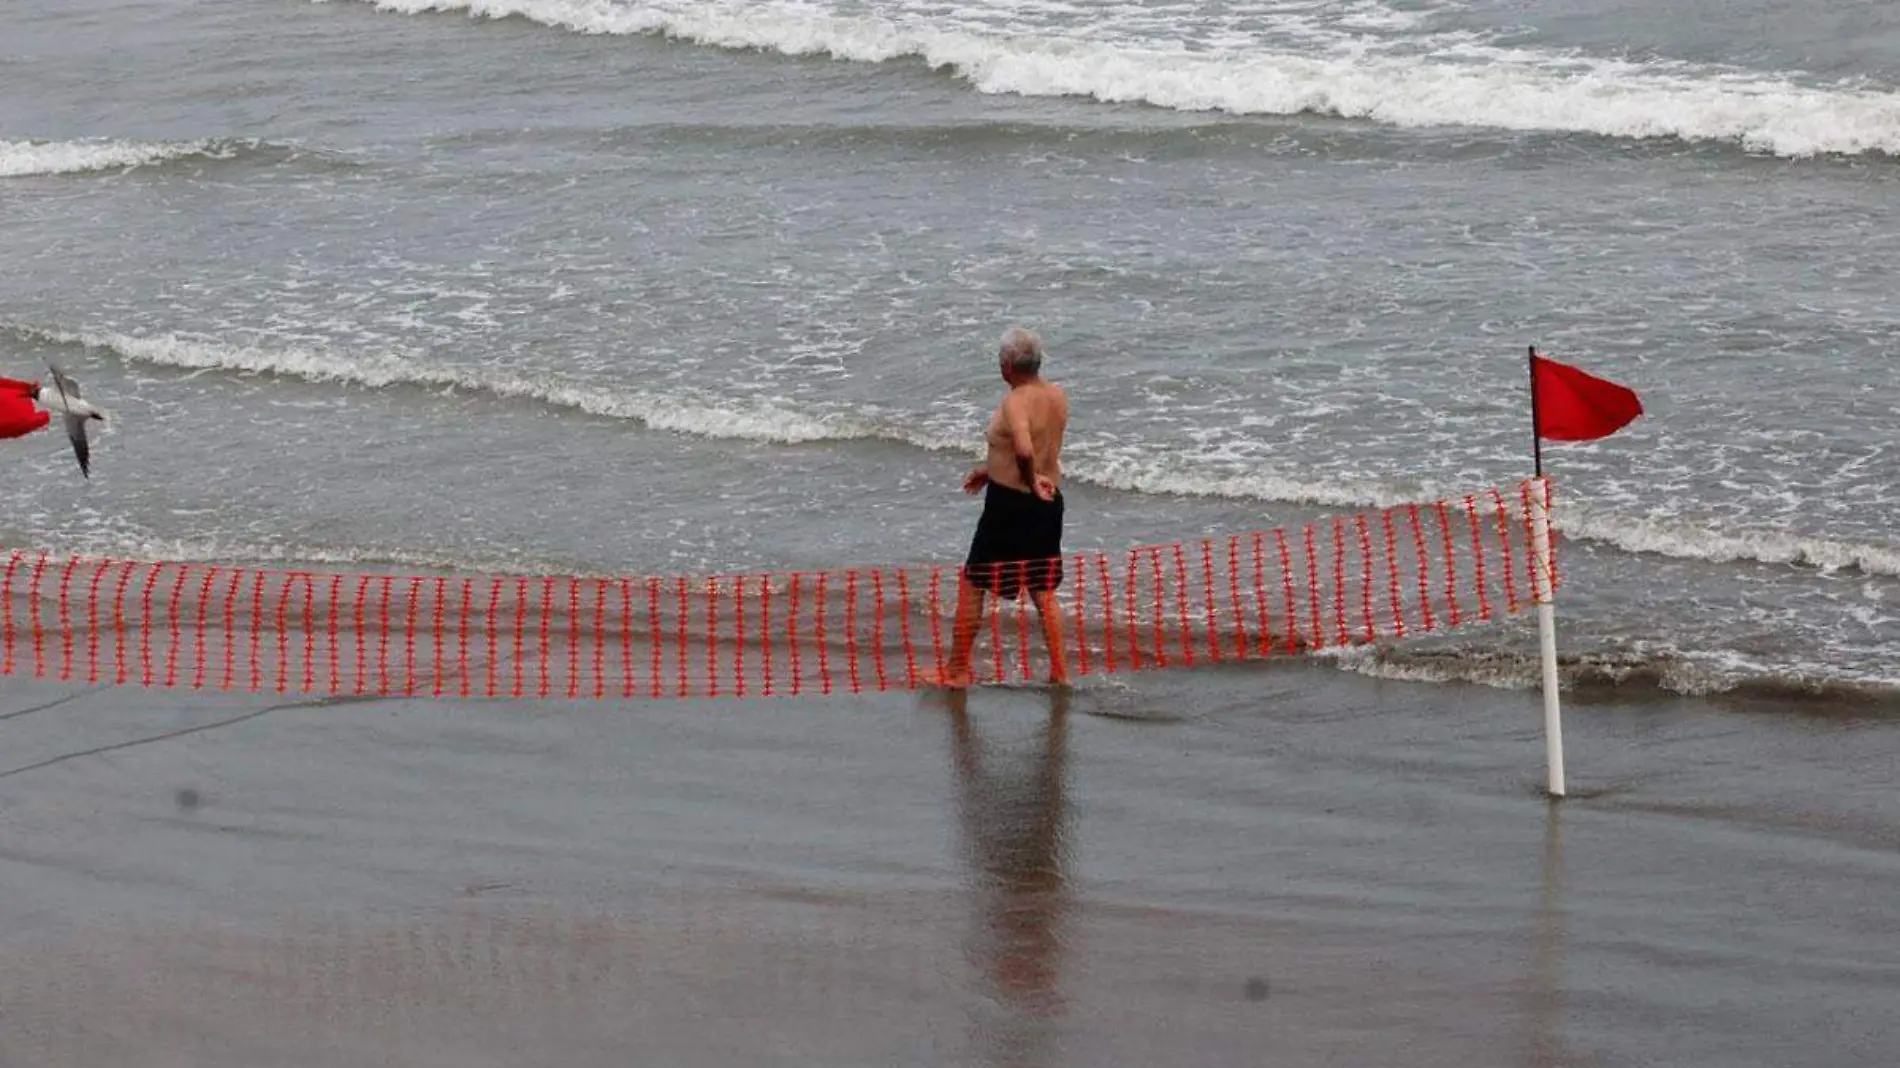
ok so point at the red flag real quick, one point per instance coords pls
(1574, 406)
(18, 417)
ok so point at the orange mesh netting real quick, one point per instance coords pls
(1344, 580)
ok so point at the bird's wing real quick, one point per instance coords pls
(67, 386)
(75, 424)
(76, 433)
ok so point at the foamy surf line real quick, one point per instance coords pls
(136, 547)
(1659, 674)
(1510, 90)
(756, 422)
(19, 159)
(1692, 542)
(699, 416)
(779, 423)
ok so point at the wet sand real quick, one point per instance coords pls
(1229, 867)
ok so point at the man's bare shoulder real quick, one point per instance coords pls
(1039, 402)
(1058, 400)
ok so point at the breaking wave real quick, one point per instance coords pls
(20, 159)
(1455, 82)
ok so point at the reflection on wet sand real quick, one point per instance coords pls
(1013, 821)
(1545, 986)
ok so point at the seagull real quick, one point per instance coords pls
(77, 413)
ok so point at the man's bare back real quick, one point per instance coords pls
(1030, 421)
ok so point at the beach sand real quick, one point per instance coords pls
(1232, 867)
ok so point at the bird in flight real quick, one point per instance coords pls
(77, 414)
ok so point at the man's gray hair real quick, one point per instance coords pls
(1022, 350)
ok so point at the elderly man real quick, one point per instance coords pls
(1018, 542)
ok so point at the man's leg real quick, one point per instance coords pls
(969, 619)
(1052, 636)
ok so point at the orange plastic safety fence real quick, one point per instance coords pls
(1348, 580)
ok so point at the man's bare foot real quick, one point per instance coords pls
(1059, 678)
(954, 679)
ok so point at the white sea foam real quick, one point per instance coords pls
(1459, 82)
(1142, 471)
(1678, 539)
(744, 420)
(20, 159)
(1697, 542)
(1659, 672)
(132, 546)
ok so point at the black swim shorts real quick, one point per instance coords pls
(1018, 542)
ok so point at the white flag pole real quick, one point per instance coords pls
(1544, 591)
